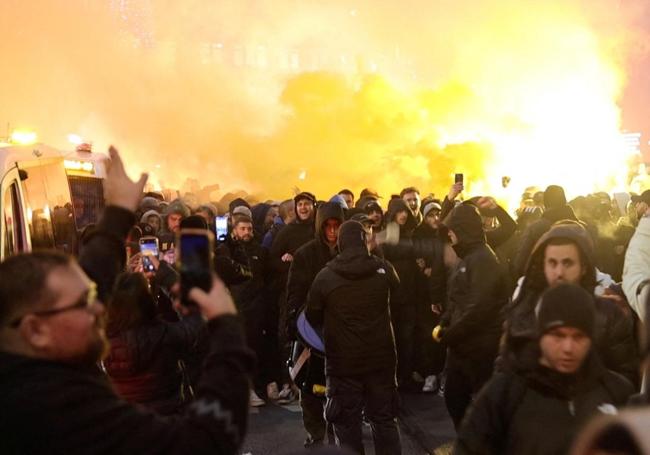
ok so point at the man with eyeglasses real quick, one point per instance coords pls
(55, 400)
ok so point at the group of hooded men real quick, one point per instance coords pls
(402, 297)
(375, 283)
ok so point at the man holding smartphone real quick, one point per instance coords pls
(51, 336)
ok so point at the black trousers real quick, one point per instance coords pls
(465, 377)
(376, 395)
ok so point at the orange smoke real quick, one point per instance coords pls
(276, 95)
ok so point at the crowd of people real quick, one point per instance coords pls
(520, 324)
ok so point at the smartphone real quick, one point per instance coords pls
(458, 178)
(148, 248)
(194, 261)
(221, 227)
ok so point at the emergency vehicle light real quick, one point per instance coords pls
(75, 165)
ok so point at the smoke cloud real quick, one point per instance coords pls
(269, 96)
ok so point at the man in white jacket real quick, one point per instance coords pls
(636, 272)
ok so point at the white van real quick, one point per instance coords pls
(46, 196)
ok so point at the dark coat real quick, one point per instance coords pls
(349, 299)
(614, 338)
(478, 290)
(58, 408)
(252, 257)
(143, 362)
(291, 237)
(539, 412)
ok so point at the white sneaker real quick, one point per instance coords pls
(430, 384)
(272, 391)
(287, 395)
(256, 401)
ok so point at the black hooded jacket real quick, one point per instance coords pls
(535, 230)
(477, 291)
(259, 212)
(288, 240)
(539, 411)
(308, 261)
(614, 339)
(349, 299)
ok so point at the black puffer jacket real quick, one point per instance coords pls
(350, 300)
(539, 412)
(534, 231)
(477, 291)
(614, 339)
(143, 362)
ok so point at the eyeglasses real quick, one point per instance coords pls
(84, 302)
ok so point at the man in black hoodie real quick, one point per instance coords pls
(556, 209)
(349, 299)
(471, 326)
(565, 255)
(539, 410)
(307, 262)
(404, 301)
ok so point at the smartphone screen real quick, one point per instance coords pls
(149, 246)
(221, 227)
(194, 261)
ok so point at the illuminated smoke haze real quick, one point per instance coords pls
(257, 94)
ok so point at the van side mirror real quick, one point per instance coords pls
(22, 173)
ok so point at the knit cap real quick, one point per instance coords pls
(566, 305)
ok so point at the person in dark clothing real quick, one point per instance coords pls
(290, 238)
(556, 209)
(349, 299)
(51, 338)
(432, 296)
(263, 216)
(540, 410)
(471, 325)
(307, 262)
(404, 302)
(242, 247)
(145, 363)
(564, 255)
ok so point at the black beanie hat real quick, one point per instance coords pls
(351, 235)
(566, 305)
(554, 197)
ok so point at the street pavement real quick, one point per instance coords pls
(424, 426)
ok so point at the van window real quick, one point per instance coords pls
(87, 199)
(48, 199)
(13, 222)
